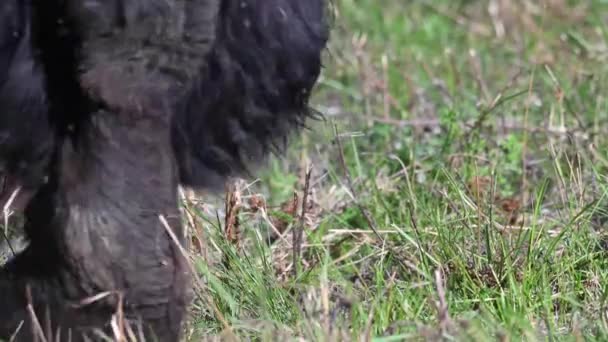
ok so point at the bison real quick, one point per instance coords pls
(106, 107)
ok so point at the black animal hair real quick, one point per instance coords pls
(105, 107)
(254, 89)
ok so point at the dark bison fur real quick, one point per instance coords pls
(254, 90)
(26, 138)
(105, 108)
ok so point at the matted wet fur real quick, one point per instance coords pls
(105, 107)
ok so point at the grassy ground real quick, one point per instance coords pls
(458, 186)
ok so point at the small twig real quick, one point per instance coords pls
(233, 206)
(118, 324)
(359, 43)
(524, 149)
(6, 210)
(280, 235)
(359, 231)
(477, 72)
(14, 335)
(443, 315)
(497, 102)
(93, 299)
(47, 321)
(197, 280)
(349, 181)
(36, 327)
(367, 333)
(506, 127)
(196, 230)
(414, 223)
(385, 88)
(297, 231)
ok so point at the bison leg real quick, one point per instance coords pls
(95, 231)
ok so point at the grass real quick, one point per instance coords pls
(458, 186)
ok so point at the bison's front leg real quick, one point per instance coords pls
(35, 279)
(104, 235)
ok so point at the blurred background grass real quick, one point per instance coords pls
(457, 187)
